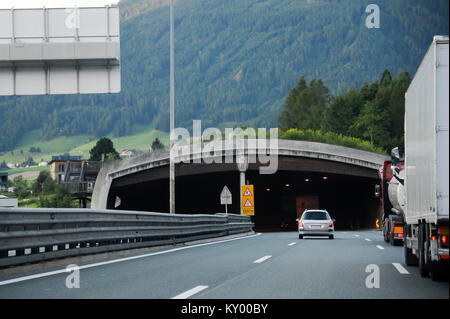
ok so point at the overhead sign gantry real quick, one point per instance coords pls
(60, 50)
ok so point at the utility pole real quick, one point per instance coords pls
(172, 115)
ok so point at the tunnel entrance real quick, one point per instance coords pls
(279, 198)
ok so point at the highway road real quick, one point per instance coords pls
(267, 265)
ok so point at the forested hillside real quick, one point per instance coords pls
(236, 62)
(374, 113)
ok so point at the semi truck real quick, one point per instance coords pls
(391, 193)
(426, 164)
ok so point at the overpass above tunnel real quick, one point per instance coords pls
(308, 175)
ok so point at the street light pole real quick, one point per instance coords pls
(172, 115)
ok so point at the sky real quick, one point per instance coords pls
(54, 3)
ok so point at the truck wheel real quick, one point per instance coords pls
(392, 239)
(410, 258)
(435, 273)
(424, 272)
(386, 232)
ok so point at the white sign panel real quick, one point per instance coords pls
(60, 50)
(225, 197)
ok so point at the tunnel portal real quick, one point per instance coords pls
(344, 191)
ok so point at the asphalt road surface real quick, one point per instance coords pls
(268, 265)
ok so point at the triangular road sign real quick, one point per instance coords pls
(247, 192)
(248, 204)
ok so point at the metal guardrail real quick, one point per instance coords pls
(33, 235)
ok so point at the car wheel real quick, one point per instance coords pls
(300, 236)
(331, 236)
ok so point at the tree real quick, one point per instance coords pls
(104, 146)
(396, 108)
(386, 78)
(20, 187)
(3, 166)
(305, 106)
(343, 110)
(157, 145)
(38, 184)
(59, 198)
(29, 162)
(372, 123)
(49, 186)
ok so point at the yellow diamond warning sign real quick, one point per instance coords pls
(248, 200)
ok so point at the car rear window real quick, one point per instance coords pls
(315, 215)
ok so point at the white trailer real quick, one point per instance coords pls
(427, 163)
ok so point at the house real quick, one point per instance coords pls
(129, 153)
(126, 153)
(76, 175)
(58, 165)
(43, 163)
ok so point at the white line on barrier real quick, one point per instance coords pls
(400, 268)
(62, 271)
(190, 292)
(260, 260)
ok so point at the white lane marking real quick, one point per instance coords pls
(62, 271)
(190, 292)
(380, 247)
(260, 260)
(400, 268)
(356, 235)
(291, 244)
(367, 239)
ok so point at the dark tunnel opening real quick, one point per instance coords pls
(278, 197)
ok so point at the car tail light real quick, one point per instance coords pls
(444, 239)
(330, 224)
(301, 224)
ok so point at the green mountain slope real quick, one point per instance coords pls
(236, 61)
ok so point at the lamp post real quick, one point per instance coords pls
(172, 117)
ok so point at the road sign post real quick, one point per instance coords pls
(248, 200)
(226, 198)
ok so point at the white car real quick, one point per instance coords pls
(316, 222)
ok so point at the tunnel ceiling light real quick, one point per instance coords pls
(288, 185)
(307, 180)
(268, 189)
(325, 177)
